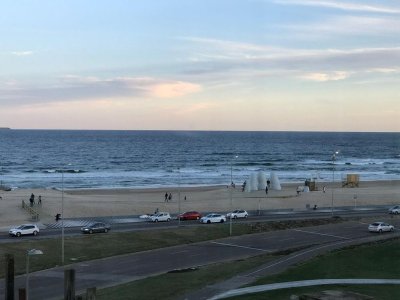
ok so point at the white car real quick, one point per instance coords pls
(380, 227)
(160, 217)
(24, 229)
(213, 218)
(394, 210)
(239, 213)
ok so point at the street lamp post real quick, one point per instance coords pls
(179, 197)
(62, 217)
(333, 176)
(230, 196)
(29, 253)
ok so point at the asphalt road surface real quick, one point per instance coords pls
(131, 223)
(48, 284)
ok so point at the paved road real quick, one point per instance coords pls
(128, 223)
(48, 284)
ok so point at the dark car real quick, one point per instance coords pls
(96, 227)
(190, 215)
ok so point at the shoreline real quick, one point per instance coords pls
(200, 186)
(121, 202)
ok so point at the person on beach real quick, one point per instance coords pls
(266, 190)
(244, 186)
(298, 190)
(324, 189)
(40, 200)
(32, 199)
(169, 197)
(166, 197)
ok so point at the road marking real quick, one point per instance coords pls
(180, 252)
(287, 239)
(323, 234)
(238, 246)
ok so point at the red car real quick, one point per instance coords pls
(190, 215)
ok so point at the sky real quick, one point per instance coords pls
(262, 65)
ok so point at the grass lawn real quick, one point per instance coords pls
(377, 260)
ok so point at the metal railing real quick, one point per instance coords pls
(31, 211)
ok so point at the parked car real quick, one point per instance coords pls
(213, 218)
(380, 227)
(394, 210)
(161, 216)
(239, 213)
(24, 229)
(190, 215)
(96, 227)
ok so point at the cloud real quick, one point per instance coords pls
(384, 70)
(71, 87)
(259, 58)
(347, 6)
(321, 77)
(345, 26)
(22, 53)
(173, 89)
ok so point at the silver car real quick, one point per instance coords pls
(213, 218)
(394, 210)
(24, 229)
(380, 227)
(161, 216)
(239, 213)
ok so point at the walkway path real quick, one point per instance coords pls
(303, 283)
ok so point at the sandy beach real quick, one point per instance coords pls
(114, 202)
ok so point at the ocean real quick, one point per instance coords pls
(148, 159)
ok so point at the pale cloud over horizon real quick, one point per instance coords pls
(342, 5)
(262, 65)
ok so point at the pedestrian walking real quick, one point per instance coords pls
(324, 189)
(32, 199)
(169, 197)
(166, 197)
(266, 190)
(40, 200)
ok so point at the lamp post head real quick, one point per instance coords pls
(334, 155)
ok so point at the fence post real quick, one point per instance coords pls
(69, 284)
(21, 294)
(9, 280)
